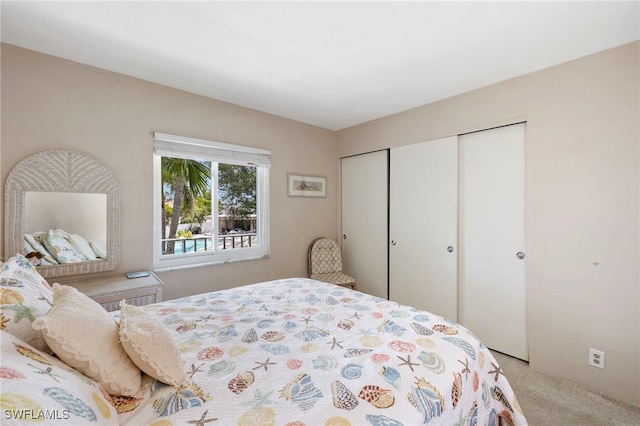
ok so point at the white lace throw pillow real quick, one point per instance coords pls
(150, 346)
(85, 336)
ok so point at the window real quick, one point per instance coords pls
(211, 202)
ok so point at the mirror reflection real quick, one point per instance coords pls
(65, 227)
(62, 210)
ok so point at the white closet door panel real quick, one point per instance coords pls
(492, 277)
(365, 221)
(423, 224)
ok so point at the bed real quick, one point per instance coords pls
(285, 352)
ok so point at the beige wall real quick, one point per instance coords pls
(582, 194)
(583, 183)
(50, 103)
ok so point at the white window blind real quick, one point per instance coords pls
(191, 148)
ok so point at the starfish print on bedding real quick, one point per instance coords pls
(355, 315)
(195, 370)
(265, 364)
(335, 343)
(259, 400)
(205, 319)
(46, 371)
(197, 335)
(202, 420)
(497, 371)
(465, 370)
(21, 312)
(407, 362)
(307, 320)
(366, 332)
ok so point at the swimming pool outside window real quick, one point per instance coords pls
(210, 202)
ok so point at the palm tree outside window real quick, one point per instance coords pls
(210, 202)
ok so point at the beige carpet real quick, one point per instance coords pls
(552, 401)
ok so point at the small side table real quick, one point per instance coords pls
(109, 291)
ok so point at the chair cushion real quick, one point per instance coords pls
(337, 278)
(325, 257)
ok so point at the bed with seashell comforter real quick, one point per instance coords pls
(303, 352)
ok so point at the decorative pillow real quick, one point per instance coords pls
(35, 242)
(82, 334)
(57, 244)
(82, 246)
(150, 346)
(24, 296)
(98, 250)
(37, 387)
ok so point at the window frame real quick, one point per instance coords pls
(165, 145)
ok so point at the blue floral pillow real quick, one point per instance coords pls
(24, 296)
(36, 387)
(57, 243)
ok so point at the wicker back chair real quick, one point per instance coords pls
(325, 263)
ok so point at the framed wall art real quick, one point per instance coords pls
(306, 186)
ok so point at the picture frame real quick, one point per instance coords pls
(306, 186)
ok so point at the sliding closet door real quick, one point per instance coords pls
(423, 223)
(492, 265)
(365, 206)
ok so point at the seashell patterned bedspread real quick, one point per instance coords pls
(302, 352)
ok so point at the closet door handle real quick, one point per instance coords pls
(450, 249)
(393, 242)
(344, 237)
(520, 255)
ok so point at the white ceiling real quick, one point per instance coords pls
(330, 64)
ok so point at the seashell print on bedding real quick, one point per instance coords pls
(10, 373)
(210, 354)
(421, 329)
(124, 404)
(345, 324)
(241, 382)
(343, 398)
(303, 354)
(324, 363)
(497, 394)
(462, 344)
(356, 352)
(28, 352)
(221, 368)
(456, 389)
(265, 323)
(71, 403)
(312, 333)
(330, 300)
(426, 399)
(301, 392)
(392, 328)
(377, 396)
(351, 371)
(400, 346)
(390, 375)
(432, 361)
(276, 349)
(445, 329)
(272, 336)
(250, 336)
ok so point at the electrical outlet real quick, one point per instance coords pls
(596, 358)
